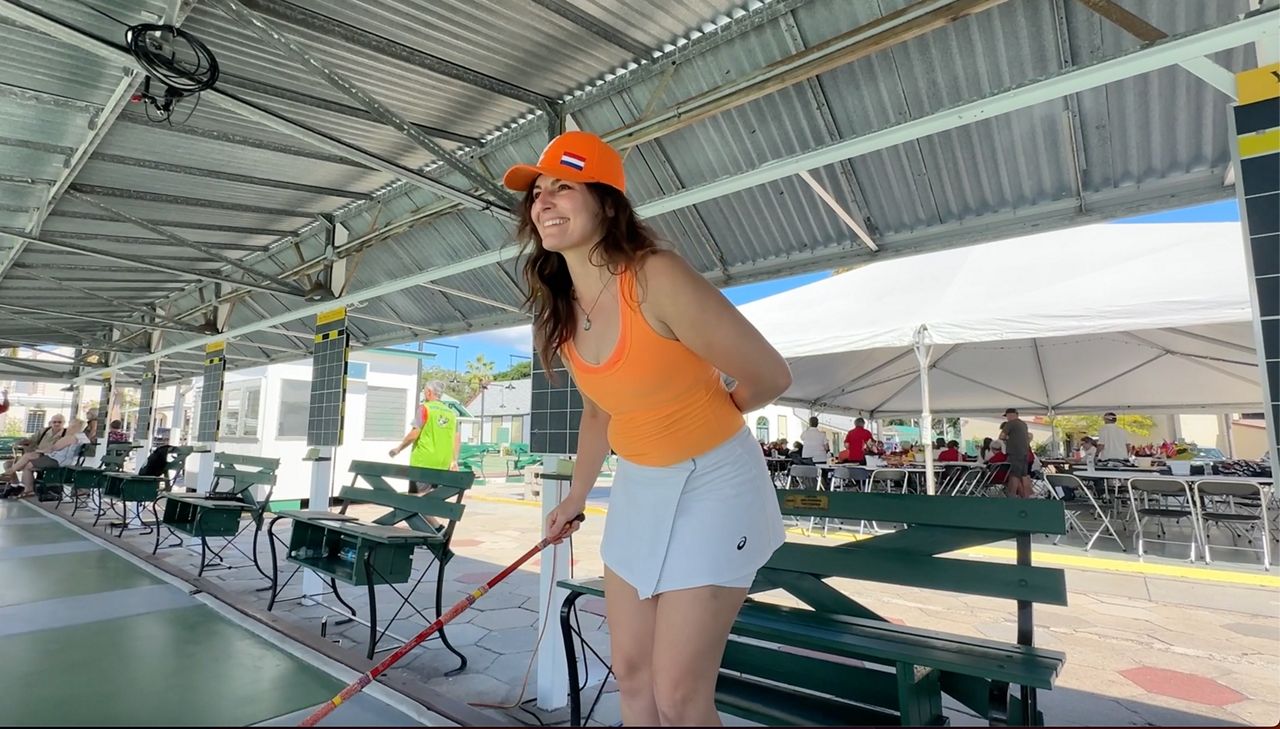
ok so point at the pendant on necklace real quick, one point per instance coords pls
(586, 326)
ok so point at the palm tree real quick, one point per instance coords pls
(478, 375)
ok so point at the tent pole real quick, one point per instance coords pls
(1229, 435)
(1055, 443)
(924, 350)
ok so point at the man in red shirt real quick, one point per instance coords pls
(998, 456)
(950, 454)
(856, 440)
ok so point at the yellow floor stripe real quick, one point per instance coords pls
(1042, 557)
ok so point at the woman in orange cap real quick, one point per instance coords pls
(692, 511)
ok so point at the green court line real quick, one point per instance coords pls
(64, 575)
(21, 535)
(187, 666)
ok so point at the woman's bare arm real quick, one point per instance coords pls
(704, 320)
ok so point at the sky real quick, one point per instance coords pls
(505, 347)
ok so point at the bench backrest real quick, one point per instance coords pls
(238, 474)
(443, 500)
(175, 462)
(115, 456)
(936, 525)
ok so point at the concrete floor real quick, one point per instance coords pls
(91, 638)
(1157, 642)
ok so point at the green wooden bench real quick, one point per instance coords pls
(219, 512)
(471, 457)
(343, 548)
(521, 458)
(83, 484)
(9, 448)
(52, 483)
(840, 663)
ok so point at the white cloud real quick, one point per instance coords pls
(519, 338)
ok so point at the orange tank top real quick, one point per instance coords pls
(666, 404)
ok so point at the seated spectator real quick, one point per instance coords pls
(1088, 449)
(997, 456)
(116, 433)
(41, 442)
(950, 454)
(939, 445)
(984, 452)
(797, 454)
(62, 452)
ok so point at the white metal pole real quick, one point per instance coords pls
(1229, 435)
(557, 563)
(924, 351)
(1055, 442)
(320, 493)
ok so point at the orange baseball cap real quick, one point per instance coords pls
(576, 156)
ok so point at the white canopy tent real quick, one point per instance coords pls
(1117, 316)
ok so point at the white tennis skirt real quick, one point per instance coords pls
(710, 520)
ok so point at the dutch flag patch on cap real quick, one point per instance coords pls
(577, 162)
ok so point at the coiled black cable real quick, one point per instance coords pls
(156, 49)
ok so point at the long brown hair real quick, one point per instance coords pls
(624, 242)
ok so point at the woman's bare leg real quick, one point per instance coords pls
(631, 623)
(692, 628)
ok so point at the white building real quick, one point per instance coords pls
(772, 422)
(264, 413)
(501, 413)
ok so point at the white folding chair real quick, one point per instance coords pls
(952, 475)
(804, 477)
(886, 479)
(964, 485)
(1172, 500)
(1232, 504)
(845, 478)
(1077, 507)
(993, 481)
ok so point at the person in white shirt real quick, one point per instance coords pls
(62, 452)
(816, 448)
(1113, 442)
(1088, 450)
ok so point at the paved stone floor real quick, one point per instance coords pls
(1160, 643)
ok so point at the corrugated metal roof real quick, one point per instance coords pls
(471, 70)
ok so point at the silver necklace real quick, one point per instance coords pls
(586, 323)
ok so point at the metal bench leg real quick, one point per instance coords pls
(1026, 632)
(275, 568)
(373, 602)
(102, 511)
(257, 529)
(333, 585)
(571, 658)
(919, 695)
(998, 704)
(157, 547)
(440, 611)
(204, 548)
